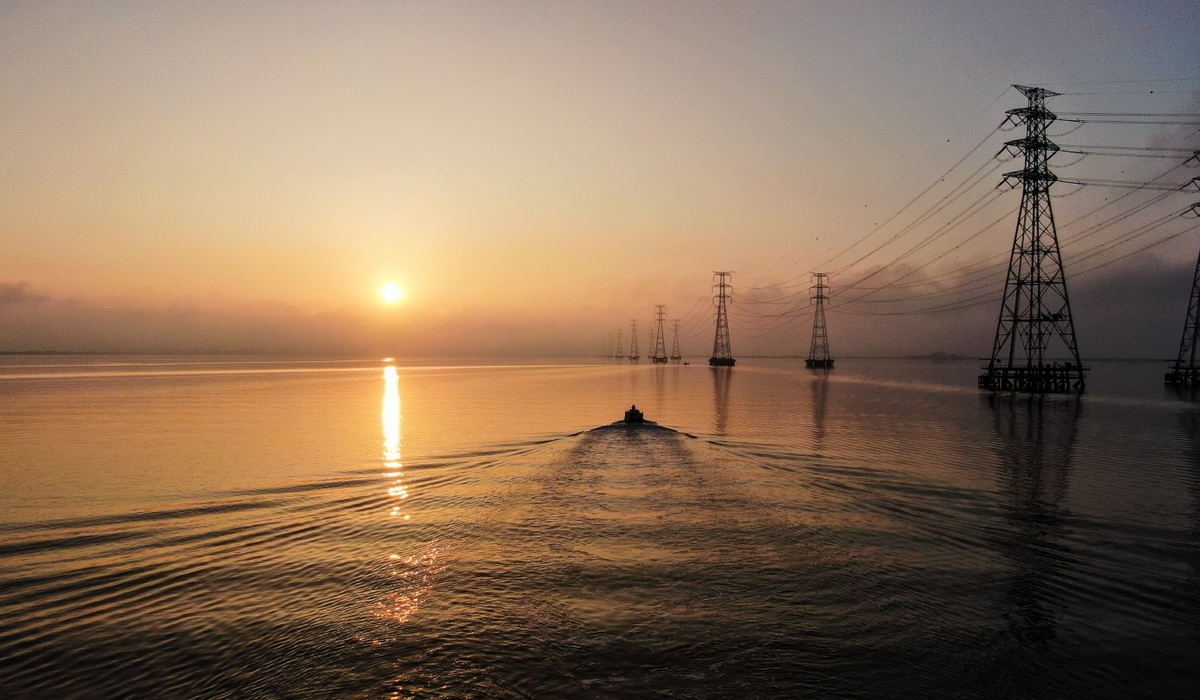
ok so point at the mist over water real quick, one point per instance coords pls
(183, 528)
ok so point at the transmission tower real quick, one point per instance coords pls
(818, 350)
(660, 335)
(722, 356)
(675, 355)
(1035, 309)
(633, 349)
(617, 354)
(1185, 372)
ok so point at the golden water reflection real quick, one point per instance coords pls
(393, 467)
(414, 573)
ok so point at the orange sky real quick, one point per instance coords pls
(533, 174)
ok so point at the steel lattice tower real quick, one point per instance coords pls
(633, 348)
(1035, 309)
(660, 335)
(620, 345)
(722, 355)
(675, 355)
(1185, 372)
(818, 350)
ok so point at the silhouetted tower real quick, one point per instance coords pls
(675, 355)
(818, 350)
(620, 346)
(660, 335)
(722, 355)
(1035, 309)
(1185, 372)
(633, 349)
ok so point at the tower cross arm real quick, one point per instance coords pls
(1031, 175)
(1036, 93)
(1018, 147)
(1024, 115)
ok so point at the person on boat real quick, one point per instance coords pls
(633, 415)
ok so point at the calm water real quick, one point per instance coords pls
(177, 528)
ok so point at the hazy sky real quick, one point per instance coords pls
(245, 176)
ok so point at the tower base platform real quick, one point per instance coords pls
(1182, 376)
(1054, 378)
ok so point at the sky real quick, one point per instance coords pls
(244, 177)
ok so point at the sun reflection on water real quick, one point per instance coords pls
(393, 467)
(412, 574)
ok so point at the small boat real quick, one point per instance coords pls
(636, 420)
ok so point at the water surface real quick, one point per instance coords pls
(186, 528)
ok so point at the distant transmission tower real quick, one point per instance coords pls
(1035, 309)
(1185, 372)
(633, 349)
(818, 350)
(722, 356)
(660, 335)
(617, 354)
(675, 355)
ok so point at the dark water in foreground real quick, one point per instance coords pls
(183, 529)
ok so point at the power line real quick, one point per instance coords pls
(1194, 182)
(1116, 82)
(940, 178)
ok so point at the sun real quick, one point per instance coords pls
(391, 292)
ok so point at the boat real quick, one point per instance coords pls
(636, 420)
